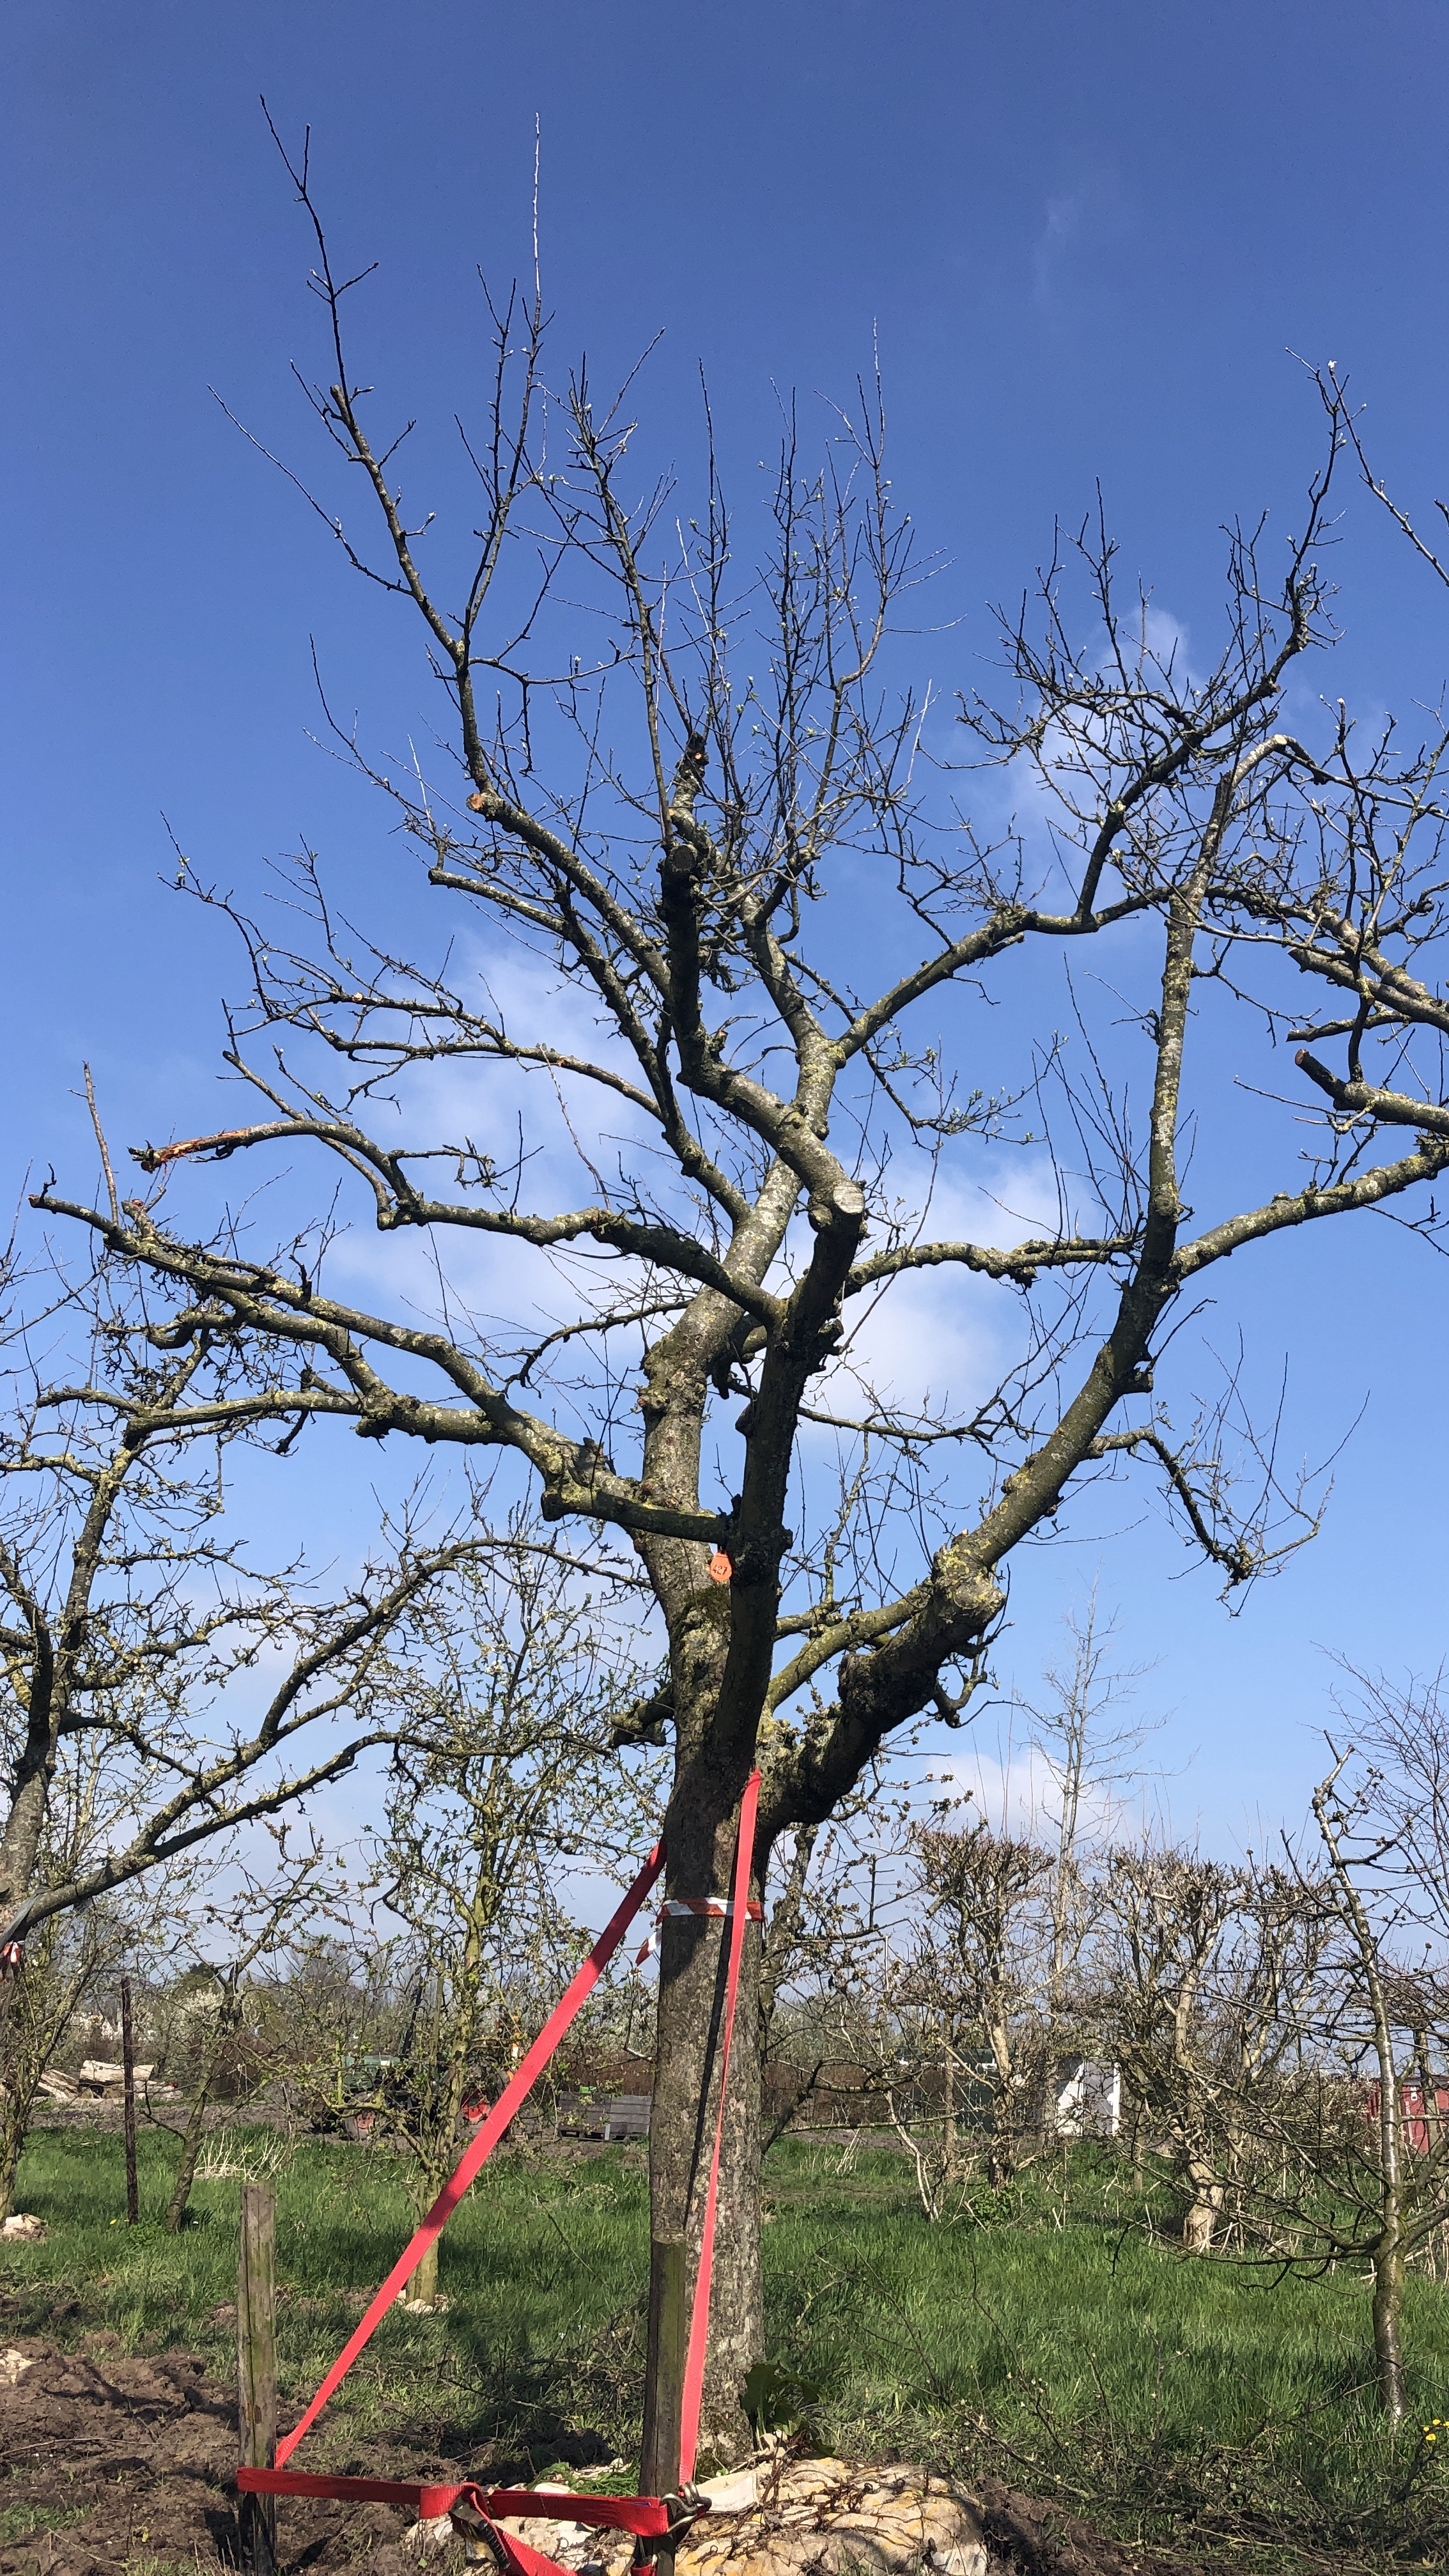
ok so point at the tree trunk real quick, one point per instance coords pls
(14, 2123)
(424, 2181)
(1388, 2252)
(1387, 2310)
(28, 2033)
(20, 1838)
(191, 2135)
(690, 2027)
(424, 2283)
(1201, 2217)
(1001, 2158)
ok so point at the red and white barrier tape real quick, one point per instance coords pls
(719, 1906)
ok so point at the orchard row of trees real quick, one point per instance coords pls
(721, 955)
(479, 1674)
(1270, 2039)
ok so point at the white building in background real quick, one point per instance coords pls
(1088, 2099)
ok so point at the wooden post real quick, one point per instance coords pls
(669, 2337)
(256, 2368)
(128, 2068)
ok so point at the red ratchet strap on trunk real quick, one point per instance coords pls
(699, 2319)
(647, 2517)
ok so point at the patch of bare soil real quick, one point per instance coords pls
(113, 2463)
(1025, 2537)
(109, 2463)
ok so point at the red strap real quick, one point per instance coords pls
(648, 2515)
(481, 2147)
(428, 2502)
(520, 2560)
(699, 2318)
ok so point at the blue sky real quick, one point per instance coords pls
(1087, 237)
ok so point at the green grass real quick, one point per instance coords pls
(543, 2267)
(1047, 2335)
(24, 2521)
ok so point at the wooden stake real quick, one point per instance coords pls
(128, 2067)
(256, 2367)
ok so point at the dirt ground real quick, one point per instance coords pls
(122, 2463)
(111, 2463)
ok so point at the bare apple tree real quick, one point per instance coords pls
(1207, 1979)
(505, 1786)
(157, 1691)
(132, 1618)
(720, 934)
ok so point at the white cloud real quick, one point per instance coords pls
(1011, 1788)
(945, 1336)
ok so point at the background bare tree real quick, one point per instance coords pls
(703, 814)
(157, 1693)
(1090, 1759)
(506, 1789)
(133, 1623)
(980, 1977)
(1287, 2046)
(1372, 2166)
(1208, 1979)
(257, 1917)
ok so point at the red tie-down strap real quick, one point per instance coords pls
(509, 2102)
(646, 2516)
(699, 2318)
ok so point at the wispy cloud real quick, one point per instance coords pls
(1081, 226)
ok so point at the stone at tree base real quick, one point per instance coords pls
(804, 2518)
